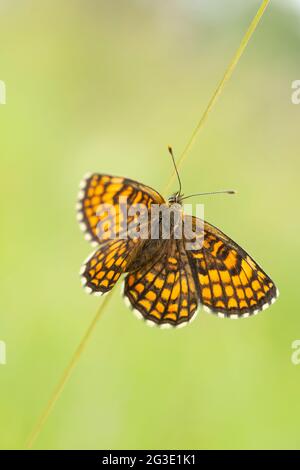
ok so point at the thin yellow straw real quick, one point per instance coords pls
(229, 71)
(76, 356)
(66, 375)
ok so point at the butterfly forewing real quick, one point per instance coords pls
(229, 281)
(99, 211)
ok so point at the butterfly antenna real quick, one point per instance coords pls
(174, 163)
(228, 191)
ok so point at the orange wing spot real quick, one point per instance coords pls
(146, 304)
(243, 278)
(100, 275)
(225, 277)
(151, 295)
(266, 288)
(172, 260)
(232, 303)
(175, 291)
(220, 304)
(229, 291)
(110, 263)
(119, 261)
(159, 283)
(206, 293)
(173, 308)
(203, 265)
(95, 282)
(198, 255)
(126, 192)
(240, 294)
(150, 277)
(206, 243)
(104, 283)
(184, 286)
(236, 281)
(93, 262)
(184, 303)
(249, 292)
(230, 261)
(160, 307)
(243, 304)
(217, 290)
(260, 295)
(253, 302)
(170, 316)
(155, 314)
(98, 190)
(92, 272)
(165, 294)
(255, 285)
(138, 198)
(216, 247)
(111, 254)
(262, 275)
(140, 287)
(248, 270)
(251, 263)
(95, 200)
(89, 212)
(131, 281)
(203, 279)
(171, 278)
(93, 221)
(114, 188)
(110, 274)
(184, 312)
(213, 274)
(104, 179)
(116, 179)
(90, 192)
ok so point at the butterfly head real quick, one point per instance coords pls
(175, 198)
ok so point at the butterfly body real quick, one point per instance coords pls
(166, 280)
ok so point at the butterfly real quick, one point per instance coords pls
(165, 282)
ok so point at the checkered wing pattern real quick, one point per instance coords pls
(230, 283)
(103, 268)
(98, 209)
(164, 292)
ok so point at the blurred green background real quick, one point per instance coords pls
(106, 86)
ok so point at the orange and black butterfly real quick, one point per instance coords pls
(165, 282)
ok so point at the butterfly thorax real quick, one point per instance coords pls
(165, 225)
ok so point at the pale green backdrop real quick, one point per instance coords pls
(106, 86)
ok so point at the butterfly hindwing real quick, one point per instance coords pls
(164, 292)
(104, 267)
